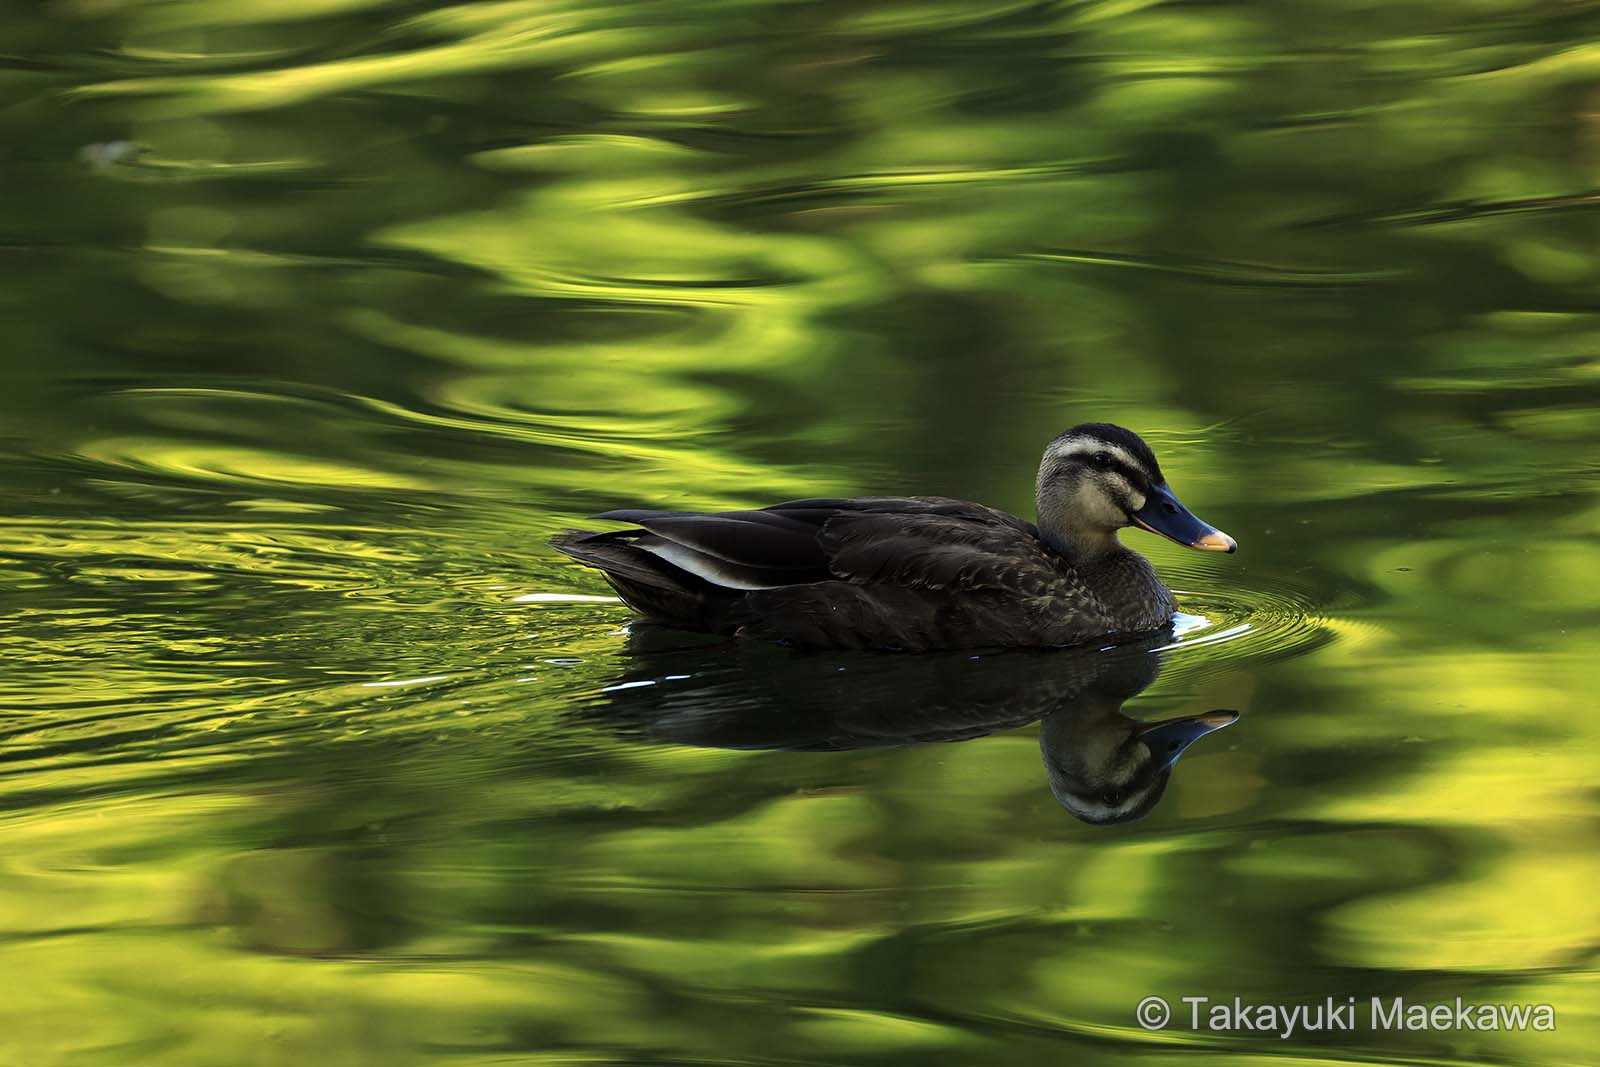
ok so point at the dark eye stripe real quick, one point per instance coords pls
(1134, 477)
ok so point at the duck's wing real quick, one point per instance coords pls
(729, 550)
(922, 542)
(923, 573)
(903, 572)
(933, 543)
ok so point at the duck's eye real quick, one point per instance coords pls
(1101, 460)
(1111, 798)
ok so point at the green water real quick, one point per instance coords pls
(312, 753)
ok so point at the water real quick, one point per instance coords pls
(320, 318)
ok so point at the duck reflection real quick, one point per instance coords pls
(1102, 765)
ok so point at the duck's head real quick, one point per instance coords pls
(1111, 768)
(1097, 478)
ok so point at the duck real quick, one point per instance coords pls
(1102, 764)
(916, 573)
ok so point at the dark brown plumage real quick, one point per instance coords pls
(914, 573)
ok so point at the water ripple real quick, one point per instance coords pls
(1255, 623)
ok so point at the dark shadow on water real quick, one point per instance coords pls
(1102, 765)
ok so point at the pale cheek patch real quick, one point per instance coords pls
(1092, 502)
(1134, 498)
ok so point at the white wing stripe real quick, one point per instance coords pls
(717, 572)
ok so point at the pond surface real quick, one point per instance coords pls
(320, 317)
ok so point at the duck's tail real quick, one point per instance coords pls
(649, 584)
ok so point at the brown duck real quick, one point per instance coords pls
(916, 573)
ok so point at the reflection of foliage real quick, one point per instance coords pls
(388, 296)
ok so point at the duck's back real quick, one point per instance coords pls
(911, 573)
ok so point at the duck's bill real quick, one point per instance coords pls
(1164, 514)
(1168, 739)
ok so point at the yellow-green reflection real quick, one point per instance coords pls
(323, 316)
